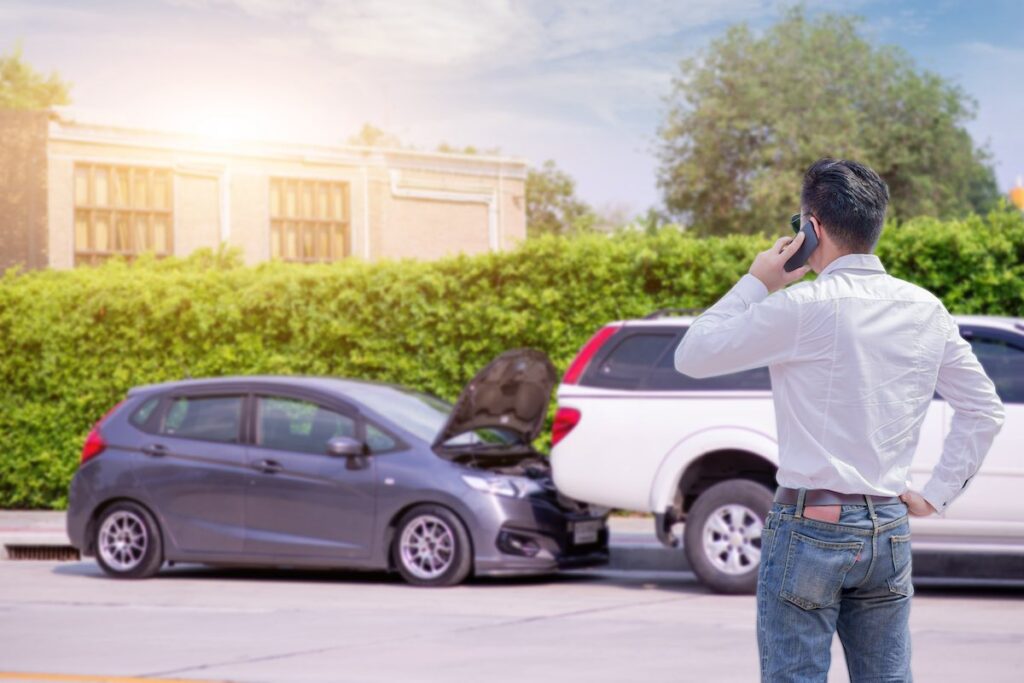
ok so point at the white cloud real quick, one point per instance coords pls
(477, 35)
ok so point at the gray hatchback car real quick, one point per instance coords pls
(325, 472)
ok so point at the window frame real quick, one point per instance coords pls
(970, 331)
(325, 401)
(255, 396)
(278, 223)
(644, 383)
(167, 400)
(91, 255)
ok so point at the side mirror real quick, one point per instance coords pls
(345, 447)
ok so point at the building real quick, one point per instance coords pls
(73, 194)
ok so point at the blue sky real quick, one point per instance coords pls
(578, 81)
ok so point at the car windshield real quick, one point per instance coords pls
(424, 415)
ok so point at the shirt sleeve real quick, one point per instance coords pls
(978, 415)
(745, 329)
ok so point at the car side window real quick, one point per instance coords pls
(629, 361)
(290, 424)
(377, 440)
(143, 413)
(206, 418)
(667, 378)
(1003, 363)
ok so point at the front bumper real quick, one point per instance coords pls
(537, 537)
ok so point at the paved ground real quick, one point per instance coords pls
(201, 624)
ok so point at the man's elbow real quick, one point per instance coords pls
(998, 415)
(688, 364)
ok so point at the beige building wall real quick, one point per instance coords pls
(401, 203)
(197, 219)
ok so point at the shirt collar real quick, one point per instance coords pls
(855, 262)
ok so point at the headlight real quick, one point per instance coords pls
(512, 487)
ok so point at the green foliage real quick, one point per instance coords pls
(552, 207)
(752, 112)
(22, 87)
(372, 136)
(75, 341)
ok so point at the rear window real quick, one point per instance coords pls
(645, 360)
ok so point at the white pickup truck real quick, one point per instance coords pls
(633, 433)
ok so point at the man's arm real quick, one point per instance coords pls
(977, 418)
(747, 328)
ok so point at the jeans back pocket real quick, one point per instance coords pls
(900, 582)
(816, 570)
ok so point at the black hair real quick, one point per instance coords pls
(849, 200)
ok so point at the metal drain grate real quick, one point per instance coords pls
(58, 553)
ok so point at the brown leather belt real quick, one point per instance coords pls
(788, 496)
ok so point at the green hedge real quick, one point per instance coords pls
(75, 341)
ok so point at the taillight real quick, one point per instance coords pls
(579, 364)
(94, 443)
(565, 420)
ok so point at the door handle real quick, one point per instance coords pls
(269, 466)
(156, 449)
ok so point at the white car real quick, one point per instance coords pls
(633, 433)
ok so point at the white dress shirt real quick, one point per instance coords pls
(855, 357)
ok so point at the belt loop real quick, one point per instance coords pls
(871, 508)
(800, 495)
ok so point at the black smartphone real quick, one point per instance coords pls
(810, 244)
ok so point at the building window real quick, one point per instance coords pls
(121, 210)
(309, 220)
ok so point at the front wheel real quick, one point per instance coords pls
(432, 547)
(722, 535)
(128, 544)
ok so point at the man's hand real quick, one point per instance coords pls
(917, 506)
(768, 265)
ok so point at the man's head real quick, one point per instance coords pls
(846, 201)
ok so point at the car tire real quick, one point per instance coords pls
(128, 542)
(722, 535)
(431, 547)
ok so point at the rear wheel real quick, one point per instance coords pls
(432, 547)
(128, 544)
(722, 535)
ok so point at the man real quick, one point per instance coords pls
(855, 357)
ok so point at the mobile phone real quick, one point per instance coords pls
(804, 252)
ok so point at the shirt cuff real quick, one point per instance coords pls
(750, 289)
(938, 495)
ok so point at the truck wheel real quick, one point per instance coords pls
(722, 535)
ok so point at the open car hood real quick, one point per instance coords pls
(510, 394)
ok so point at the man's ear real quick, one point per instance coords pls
(816, 226)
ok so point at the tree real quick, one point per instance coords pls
(22, 87)
(552, 205)
(372, 136)
(751, 113)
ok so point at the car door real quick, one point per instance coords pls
(303, 502)
(994, 494)
(195, 471)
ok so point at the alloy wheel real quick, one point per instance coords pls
(732, 539)
(427, 546)
(123, 541)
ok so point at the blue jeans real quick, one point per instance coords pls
(817, 578)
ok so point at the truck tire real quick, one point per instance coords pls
(722, 535)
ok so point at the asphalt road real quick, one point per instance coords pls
(243, 625)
